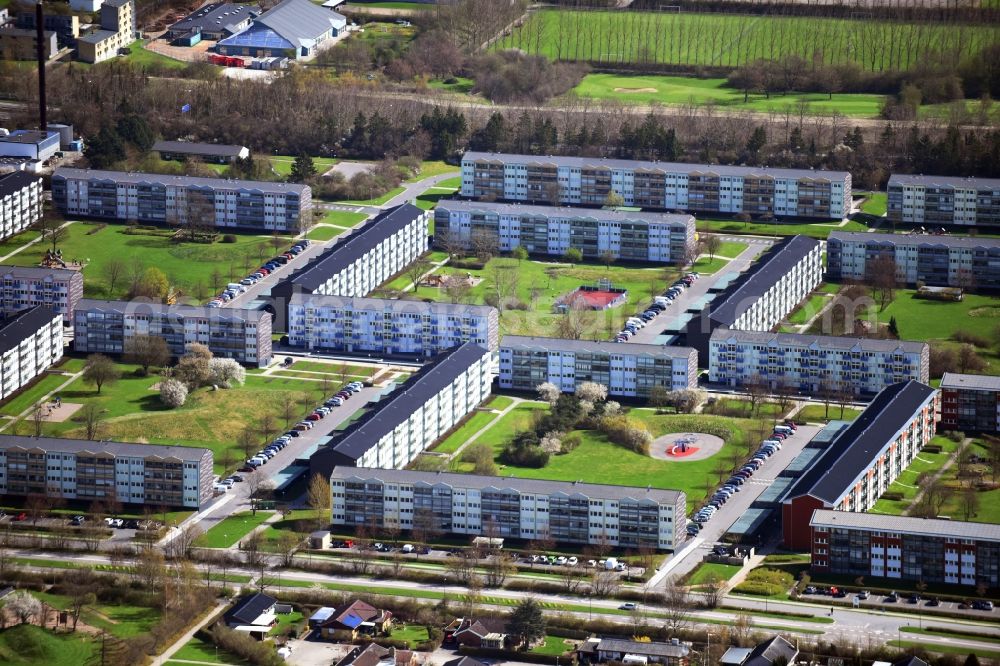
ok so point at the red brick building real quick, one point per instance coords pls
(970, 403)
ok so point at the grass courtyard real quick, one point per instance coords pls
(230, 531)
(812, 229)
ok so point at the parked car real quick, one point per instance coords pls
(628, 606)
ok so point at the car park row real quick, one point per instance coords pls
(234, 289)
(660, 304)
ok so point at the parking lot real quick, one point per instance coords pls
(263, 287)
(903, 601)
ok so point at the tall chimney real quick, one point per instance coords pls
(40, 50)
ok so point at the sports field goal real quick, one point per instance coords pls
(676, 9)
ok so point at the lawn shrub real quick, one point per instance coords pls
(242, 645)
(954, 435)
(766, 582)
(970, 338)
(229, 238)
(931, 448)
(96, 228)
(892, 495)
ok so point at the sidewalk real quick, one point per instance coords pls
(183, 640)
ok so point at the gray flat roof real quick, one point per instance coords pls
(538, 486)
(943, 240)
(393, 305)
(215, 16)
(15, 328)
(177, 181)
(192, 148)
(959, 381)
(943, 181)
(670, 167)
(635, 647)
(529, 343)
(37, 272)
(600, 214)
(97, 36)
(136, 307)
(856, 446)
(16, 181)
(300, 20)
(786, 340)
(114, 448)
(749, 521)
(27, 136)
(906, 524)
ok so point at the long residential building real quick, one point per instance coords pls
(627, 370)
(27, 286)
(20, 202)
(509, 508)
(764, 294)
(429, 404)
(30, 342)
(149, 198)
(940, 261)
(936, 200)
(931, 550)
(546, 230)
(84, 470)
(388, 327)
(814, 364)
(863, 459)
(970, 403)
(369, 256)
(107, 326)
(701, 188)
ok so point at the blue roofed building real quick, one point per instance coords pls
(293, 28)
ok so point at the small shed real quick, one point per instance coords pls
(320, 540)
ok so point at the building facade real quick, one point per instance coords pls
(762, 295)
(19, 43)
(30, 144)
(863, 459)
(429, 404)
(508, 507)
(700, 188)
(970, 403)
(20, 202)
(939, 200)
(107, 326)
(628, 370)
(79, 469)
(117, 31)
(388, 327)
(293, 28)
(30, 342)
(26, 286)
(544, 230)
(181, 200)
(814, 364)
(906, 548)
(939, 261)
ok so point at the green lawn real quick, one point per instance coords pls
(478, 421)
(45, 385)
(285, 620)
(229, 532)
(16, 242)
(282, 164)
(812, 229)
(709, 266)
(921, 319)
(414, 633)
(323, 233)
(344, 218)
(140, 56)
(430, 198)
(121, 620)
(817, 413)
(706, 570)
(31, 645)
(741, 408)
(876, 203)
(186, 265)
(807, 310)
(553, 645)
(377, 201)
(431, 168)
(199, 650)
(731, 249)
(334, 368)
(679, 90)
(454, 183)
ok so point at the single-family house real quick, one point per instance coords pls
(355, 619)
(257, 610)
(775, 650)
(602, 650)
(376, 655)
(486, 632)
(464, 661)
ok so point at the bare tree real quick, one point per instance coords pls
(604, 583)
(677, 605)
(504, 278)
(970, 503)
(146, 351)
(38, 418)
(415, 271)
(882, 275)
(756, 390)
(90, 416)
(713, 589)
(712, 245)
(113, 270)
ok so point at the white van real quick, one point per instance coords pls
(407, 548)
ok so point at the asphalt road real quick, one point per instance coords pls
(262, 287)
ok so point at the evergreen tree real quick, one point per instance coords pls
(105, 149)
(795, 139)
(527, 621)
(757, 141)
(893, 327)
(302, 169)
(492, 136)
(134, 129)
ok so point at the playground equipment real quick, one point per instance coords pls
(52, 259)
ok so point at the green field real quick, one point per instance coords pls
(282, 164)
(377, 201)
(682, 90)
(31, 645)
(430, 168)
(808, 309)
(732, 40)
(324, 233)
(199, 650)
(813, 229)
(414, 633)
(140, 56)
(818, 413)
(45, 384)
(876, 203)
(553, 645)
(478, 421)
(231, 530)
(706, 570)
(921, 319)
(334, 369)
(343, 218)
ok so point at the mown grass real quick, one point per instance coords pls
(343, 218)
(706, 571)
(323, 233)
(231, 530)
(812, 229)
(818, 413)
(140, 56)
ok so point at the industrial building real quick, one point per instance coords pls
(117, 31)
(388, 327)
(30, 144)
(215, 153)
(814, 365)
(936, 260)
(107, 326)
(410, 419)
(943, 200)
(930, 550)
(214, 21)
(568, 512)
(27, 286)
(628, 370)
(698, 188)
(764, 294)
(20, 202)
(970, 403)
(292, 26)
(79, 469)
(148, 198)
(863, 459)
(30, 342)
(544, 230)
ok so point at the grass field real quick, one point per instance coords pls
(706, 570)
(334, 369)
(323, 233)
(429, 168)
(906, 482)
(31, 645)
(232, 529)
(119, 619)
(682, 90)
(921, 319)
(553, 645)
(731, 40)
(199, 650)
(282, 164)
(808, 309)
(813, 229)
(818, 413)
(876, 203)
(414, 633)
(478, 421)
(46, 384)
(344, 218)
(140, 56)
(377, 201)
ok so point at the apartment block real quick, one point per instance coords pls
(970, 403)
(26, 286)
(939, 261)
(902, 547)
(117, 30)
(386, 327)
(20, 202)
(863, 459)
(508, 507)
(764, 294)
(79, 469)
(544, 230)
(380, 249)
(30, 342)
(106, 327)
(698, 188)
(630, 370)
(414, 416)
(149, 198)
(940, 200)
(21, 43)
(814, 364)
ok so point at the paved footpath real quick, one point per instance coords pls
(183, 640)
